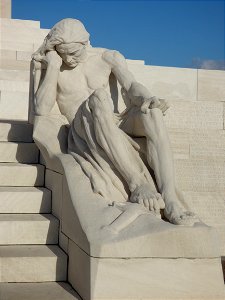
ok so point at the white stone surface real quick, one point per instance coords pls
(28, 229)
(29, 175)
(15, 65)
(10, 85)
(34, 263)
(168, 83)
(195, 115)
(38, 291)
(14, 75)
(211, 85)
(11, 99)
(19, 152)
(200, 175)
(146, 278)
(22, 55)
(23, 34)
(7, 54)
(16, 131)
(53, 181)
(63, 241)
(19, 23)
(210, 206)
(5, 9)
(25, 200)
(16, 46)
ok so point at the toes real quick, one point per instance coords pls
(146, 204)
(161, 201)
(151, 204)
(156, 205)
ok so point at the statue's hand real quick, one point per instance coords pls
(53, 59)
(154, 102)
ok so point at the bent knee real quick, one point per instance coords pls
(153, 123)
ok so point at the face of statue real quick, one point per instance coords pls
(72, 54)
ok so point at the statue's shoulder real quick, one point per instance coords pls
(113, 57)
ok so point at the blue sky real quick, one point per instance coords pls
(168, 33)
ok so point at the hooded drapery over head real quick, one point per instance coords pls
(65, 31)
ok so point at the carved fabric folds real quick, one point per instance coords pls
(83, 146)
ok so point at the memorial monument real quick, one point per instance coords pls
(76, 78)
(124, 199)
(114, 201)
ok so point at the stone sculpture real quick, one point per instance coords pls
(101, 141)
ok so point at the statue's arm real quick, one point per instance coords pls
(137, 92)
(47, 92)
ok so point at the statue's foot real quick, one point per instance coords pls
(151, 200)
(176, 215)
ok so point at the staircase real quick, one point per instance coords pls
(31, 261)
(32, 265)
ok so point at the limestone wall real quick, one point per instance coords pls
(195, 120)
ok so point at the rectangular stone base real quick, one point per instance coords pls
(145, 278)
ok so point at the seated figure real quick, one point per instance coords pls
(101, 141)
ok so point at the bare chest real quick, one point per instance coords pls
(84, 78)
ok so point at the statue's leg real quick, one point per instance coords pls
(121, 153)
(160, 159)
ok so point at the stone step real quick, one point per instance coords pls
(14, 75)
(23, 34)
(16, 131)
(32, 263)
(14, 104)
(38, 291)
(25, 200)
(200, 175)
(28, 229)
(5, 22)
(16, 174)
(19, 152)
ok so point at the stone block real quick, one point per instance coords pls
(14, 75)
(194, 115)
(168, 83)
(15, 65)
(16, 46)
(28, 229)
(14, 105)
(200, 175)
(23, 34)
(38, 291)
(150, 279)
(19, 152)
(33, 263)
(5, 9)
(16, 131)
(19, 23)
(53, 181)
(22, 55)
(63, 241)
(11, 85)
(7, 54)
(15, 174)
(211, 85)
(209, 206)
(201, 143)
(25, 200)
